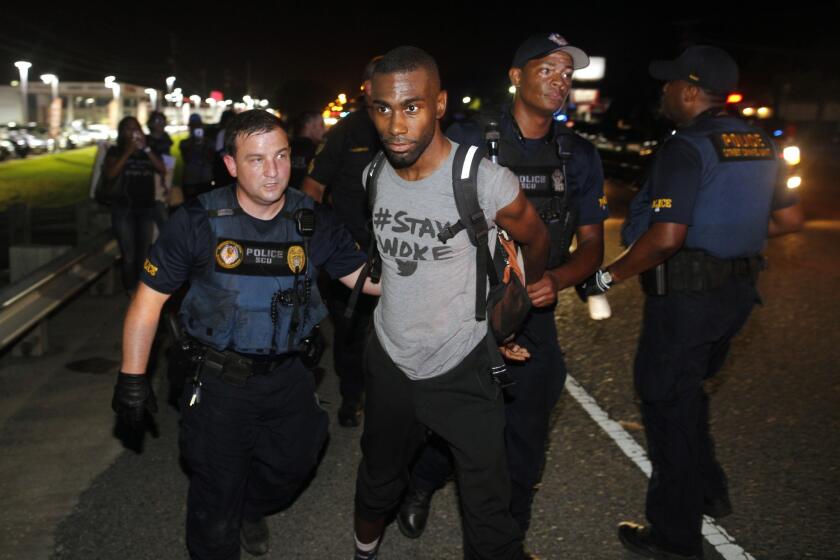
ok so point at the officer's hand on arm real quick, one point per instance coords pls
(369, 288)
(581, 265)
(521, 221)
(133, 394)
(313, 189)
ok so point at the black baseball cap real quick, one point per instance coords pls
(542, 44)
(709, 67)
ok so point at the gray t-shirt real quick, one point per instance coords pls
(425, 318)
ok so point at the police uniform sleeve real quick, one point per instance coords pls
(592, 203)
(332, 247)
(328, 156)
(674, 182)
(183, 246)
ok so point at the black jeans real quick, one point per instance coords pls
(464, 407)
(250, 450)
(133, 230)
(528, 406)
(685, 339)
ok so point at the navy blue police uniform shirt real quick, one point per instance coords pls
(186, 245)
(584, 169)
(339, 162)
(678, 178)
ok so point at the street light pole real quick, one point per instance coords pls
(54, 116)
(23, 67)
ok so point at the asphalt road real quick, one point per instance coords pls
(71, 490)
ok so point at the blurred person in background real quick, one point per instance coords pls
(335, 176)
(198, 153)
(161, 144)
(307, 132)
(130, 167)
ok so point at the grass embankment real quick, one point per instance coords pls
(56, 179)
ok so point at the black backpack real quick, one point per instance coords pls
(506, 303)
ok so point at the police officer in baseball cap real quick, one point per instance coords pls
(712, 198)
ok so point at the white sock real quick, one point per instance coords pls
(365, 547)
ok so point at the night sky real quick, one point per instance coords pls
(300, 53)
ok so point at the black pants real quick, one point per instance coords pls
(349, 339)
(528, 407)
(685, 339)
(464, 407)
(250, 450)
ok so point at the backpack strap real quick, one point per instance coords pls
(471, 218)
(371, 177)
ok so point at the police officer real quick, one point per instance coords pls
(307, 133)
(334, 176)
(251, 426)
(561, 174)
(712, 198)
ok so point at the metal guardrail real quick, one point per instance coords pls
(29, 301)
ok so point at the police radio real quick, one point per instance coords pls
(492, 137)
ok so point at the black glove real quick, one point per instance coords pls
(133, 396)
(596, 284)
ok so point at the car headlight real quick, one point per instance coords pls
(791, 155)
(794, 182)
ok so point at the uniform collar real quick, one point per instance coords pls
(509, 120)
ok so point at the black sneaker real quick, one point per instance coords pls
(639, 539)
(349, 414)
(414, 513)
(254, 536)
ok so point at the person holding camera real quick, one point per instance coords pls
(252, 426)
(130, 169)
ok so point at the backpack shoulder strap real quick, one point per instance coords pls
(471, 218)
(372, 175)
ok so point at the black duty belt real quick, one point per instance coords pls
(233, 367)
(691, 270)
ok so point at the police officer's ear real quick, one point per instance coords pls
(230, 163)
(441, 104)
(515, 75)
(366, 87)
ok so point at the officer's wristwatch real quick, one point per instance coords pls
(603, 279)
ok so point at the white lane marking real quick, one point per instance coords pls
(716, 535)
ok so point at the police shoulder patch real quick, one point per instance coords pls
(229, 254)
(150, 269)
(742, 146)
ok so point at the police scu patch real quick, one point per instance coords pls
(150, 269)
(540, 181)
(255, 258)
(661, 203)
(741, 146)
(228, 255)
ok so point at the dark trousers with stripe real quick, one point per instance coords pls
(528, 406)
(465, 409)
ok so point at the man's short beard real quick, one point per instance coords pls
(401, 161)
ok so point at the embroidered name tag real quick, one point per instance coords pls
(742, 146)
(254, 258)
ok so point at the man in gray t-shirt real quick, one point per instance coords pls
(427, 367)
(425, 320)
